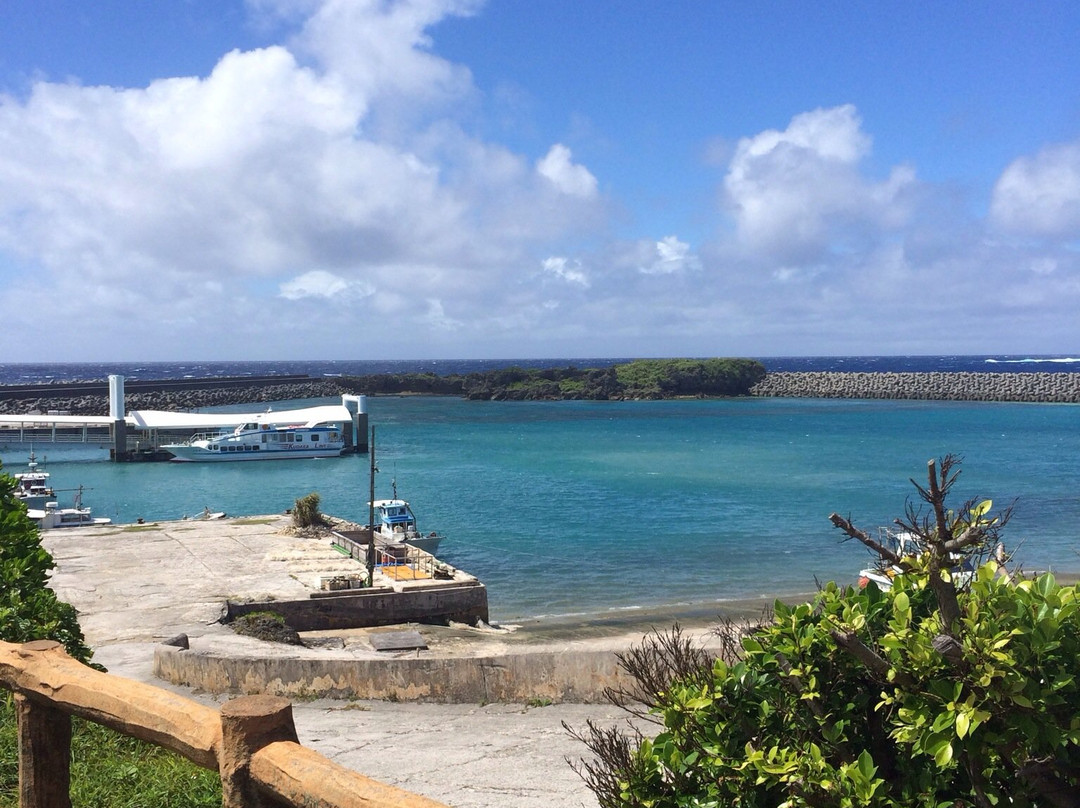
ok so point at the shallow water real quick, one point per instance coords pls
(568, 508)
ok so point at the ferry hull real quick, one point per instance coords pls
(195, 454)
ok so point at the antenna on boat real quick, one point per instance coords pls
(393, 486)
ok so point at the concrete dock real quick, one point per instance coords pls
(136, 586)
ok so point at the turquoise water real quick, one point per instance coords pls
(586, 507)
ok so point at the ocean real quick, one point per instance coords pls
(37, 372)
(609, 508)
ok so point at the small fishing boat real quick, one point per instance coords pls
(906, 544)
(32, 486)
(395, 523)
(254, 441)
(52, 516)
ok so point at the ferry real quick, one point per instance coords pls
(254, 441)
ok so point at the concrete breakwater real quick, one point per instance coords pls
(176, 400)
(1059, 388)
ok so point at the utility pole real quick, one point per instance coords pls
(371, 513)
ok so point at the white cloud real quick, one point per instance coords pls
(567, 270)
(796, 193)
(560, 170)
(321, 284)
(669, 255)
(1040, 195)
(338, 149)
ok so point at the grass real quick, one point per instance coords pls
(113, 770)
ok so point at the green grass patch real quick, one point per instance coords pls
(268, 520)
(111, 770)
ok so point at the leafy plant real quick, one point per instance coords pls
(927, 694)
(306, 511)
(29, 610)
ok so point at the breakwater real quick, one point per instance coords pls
(1057, 388)
(192, 395)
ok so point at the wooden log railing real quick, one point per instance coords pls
(251, 742)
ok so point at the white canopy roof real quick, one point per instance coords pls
(158, 419)
(57, 420)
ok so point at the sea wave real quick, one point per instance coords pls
(1036, 360)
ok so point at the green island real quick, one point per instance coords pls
(640, 379)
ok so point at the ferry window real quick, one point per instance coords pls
(264, 437)
(314, 438)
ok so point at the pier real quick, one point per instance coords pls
(139, 435)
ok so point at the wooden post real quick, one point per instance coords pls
(44, 748)
(248, 724)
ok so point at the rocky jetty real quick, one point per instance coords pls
(1059, 388)
(175, 400)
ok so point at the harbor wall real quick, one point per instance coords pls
(432, 603)
(1058, 388)
(566, 676)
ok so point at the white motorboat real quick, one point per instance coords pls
(906, 544)
(254, 441)
(395, 523)
(32, 486)
(52, 516)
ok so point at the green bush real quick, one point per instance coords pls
(29, 610)
(306, 511)
(929, 694)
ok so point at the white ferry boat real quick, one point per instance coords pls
(254, 441)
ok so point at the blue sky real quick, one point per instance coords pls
(454, 178)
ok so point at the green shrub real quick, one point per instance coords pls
(929, 694)
(108, 769)
(29, 610)
(306, 511)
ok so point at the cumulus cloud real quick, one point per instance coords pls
(566, 270)
(1040, 195)
(337, 149)
(326, 285)
(570, 178)
(669, 255)
(796, 192)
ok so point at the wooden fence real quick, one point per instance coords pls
(251, 742)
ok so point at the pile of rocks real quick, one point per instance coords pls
(1034, 387)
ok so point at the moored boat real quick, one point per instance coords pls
(32, 486)
(395, 523)
(255, 441)
(906, 544)
(52, 516)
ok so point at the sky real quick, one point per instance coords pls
(436, 179)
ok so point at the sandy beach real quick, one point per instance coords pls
(135, 588)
